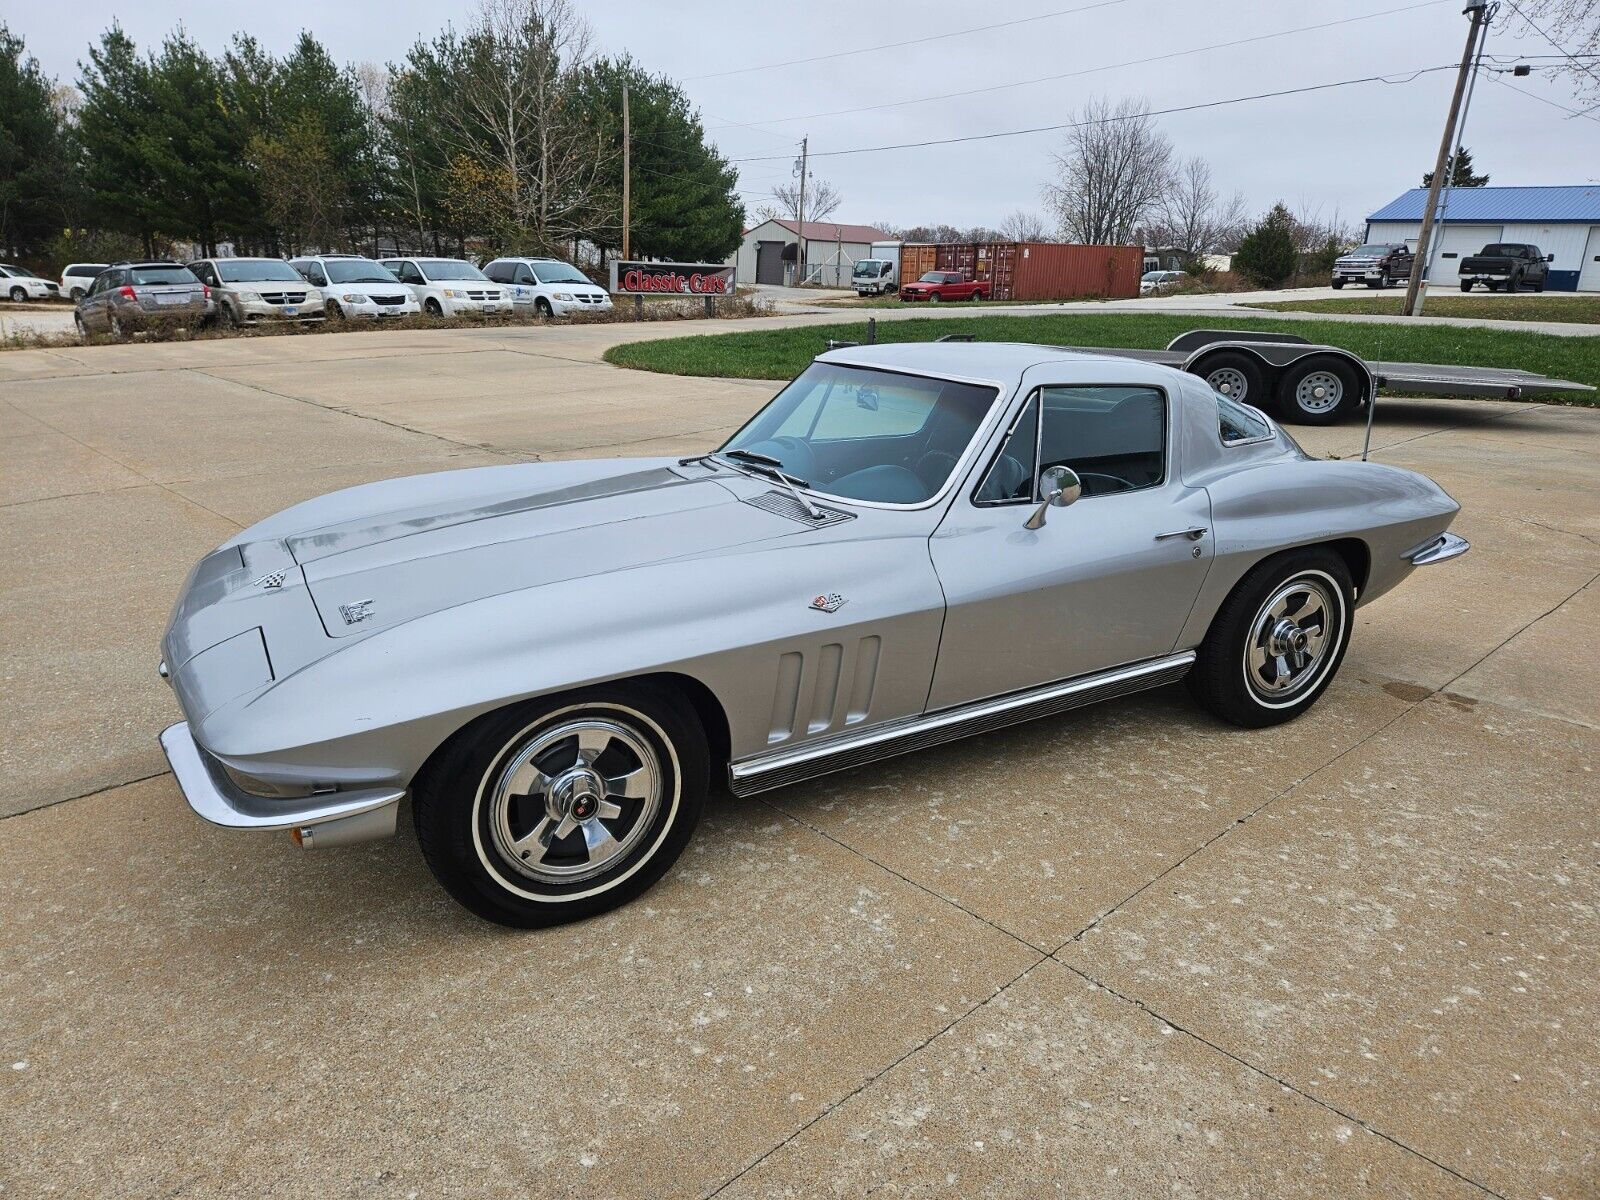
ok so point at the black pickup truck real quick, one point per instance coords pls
(1378, 265)
(1509, 265)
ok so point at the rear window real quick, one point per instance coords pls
(90, 269)
(1502, 250)
(157, 276)
(1239, 422)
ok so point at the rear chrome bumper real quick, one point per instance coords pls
(328, 819)
(1437, 550)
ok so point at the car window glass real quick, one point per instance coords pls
(156, 276)
(1238, 422)
(1113, 437)
(1011, 476)
(555, 272)
(524, 274)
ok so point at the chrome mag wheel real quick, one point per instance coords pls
(1293, 638)
(576, 796)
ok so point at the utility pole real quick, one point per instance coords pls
(1413, 305)
(800, 221)
(627, 175)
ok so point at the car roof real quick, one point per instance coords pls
(998, 361)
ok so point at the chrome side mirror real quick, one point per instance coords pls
(1060, 486)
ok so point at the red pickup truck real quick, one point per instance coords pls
(935, 286)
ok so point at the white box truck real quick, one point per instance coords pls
(880, 274)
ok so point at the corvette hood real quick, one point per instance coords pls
(506, 529)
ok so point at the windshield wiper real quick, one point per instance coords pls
(768, 465)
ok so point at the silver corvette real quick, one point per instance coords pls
(908, 545)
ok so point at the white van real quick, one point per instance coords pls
(550, 287)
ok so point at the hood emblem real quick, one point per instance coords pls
(273, 579)
(355, 612)
(829, 602)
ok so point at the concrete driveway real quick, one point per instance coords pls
(1126, 952)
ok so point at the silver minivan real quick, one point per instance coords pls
(129, 296)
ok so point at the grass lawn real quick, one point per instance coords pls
(1524, 306)
(784, 353)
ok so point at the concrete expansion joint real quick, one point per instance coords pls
(877, 1075)
(1285, 1084)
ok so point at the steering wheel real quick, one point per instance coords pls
(1122, 485)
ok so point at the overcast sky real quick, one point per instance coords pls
(1348, 150)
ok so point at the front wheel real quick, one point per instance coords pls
(1466, 285)
(83, 330)
(1336, 284)
(933, 297)
(558, 809)
(1277, 641)
(18, 295)
(432, 307)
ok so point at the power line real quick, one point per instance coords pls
(935, 37)
(1159, 112)
(1137, 62)
(1571, 112)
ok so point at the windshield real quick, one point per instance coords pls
(558, 273)
(870, 266)
(357, 270)
(155, 276)
(868, 435)
(256, 270)
(1375, 251)
(934, 277)
(449, 268)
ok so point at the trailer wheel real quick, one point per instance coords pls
(1234, 375)
(1319, 390)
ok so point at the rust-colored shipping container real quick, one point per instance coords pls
(1032, 270)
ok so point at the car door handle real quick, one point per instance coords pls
(1194, 535)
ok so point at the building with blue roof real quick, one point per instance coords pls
(1562, 221)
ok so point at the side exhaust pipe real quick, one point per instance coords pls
(346, 831)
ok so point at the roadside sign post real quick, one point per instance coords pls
(707, 281)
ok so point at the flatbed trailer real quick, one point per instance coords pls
(1306, 383)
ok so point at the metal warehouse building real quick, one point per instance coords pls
(1561, 221)
(767, 253)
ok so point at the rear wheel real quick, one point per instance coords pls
(117, 330)
(75, 295)
(1319, 390)
(1237, 376)
(557, 809)
(1277, 641)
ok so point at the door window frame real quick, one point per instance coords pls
(1036, 397)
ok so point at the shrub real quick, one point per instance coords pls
(1267, 255)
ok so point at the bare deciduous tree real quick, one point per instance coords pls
(1112, 171)
(511, 111)
(1024, 226)
(1573, 27)
(1192, 217)
(822, 199)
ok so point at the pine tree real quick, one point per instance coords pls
(1461, 175)
(684, 205)
(34, 163)
(117, 106)
(1267, 253)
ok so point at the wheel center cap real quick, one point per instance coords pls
(1289, 638)
(576, 793)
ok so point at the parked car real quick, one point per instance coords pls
(18, 285)
(909, 544)
(1159, 281)
(76, 279)
(1377, 264)
(129, 296)
(875, 276)
(548, 286)
(353, 286)
(1509, 265)
(449, 287)
(935, 286)
(248, 291)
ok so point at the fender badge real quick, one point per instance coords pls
(357, 612)
(273, 579)
(828, 603)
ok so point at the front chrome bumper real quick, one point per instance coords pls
(329, 819)
(1437, 550)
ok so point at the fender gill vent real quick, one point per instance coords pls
(783, 505)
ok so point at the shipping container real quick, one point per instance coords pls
(1032, 270)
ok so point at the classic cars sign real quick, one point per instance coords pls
(682, 279)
